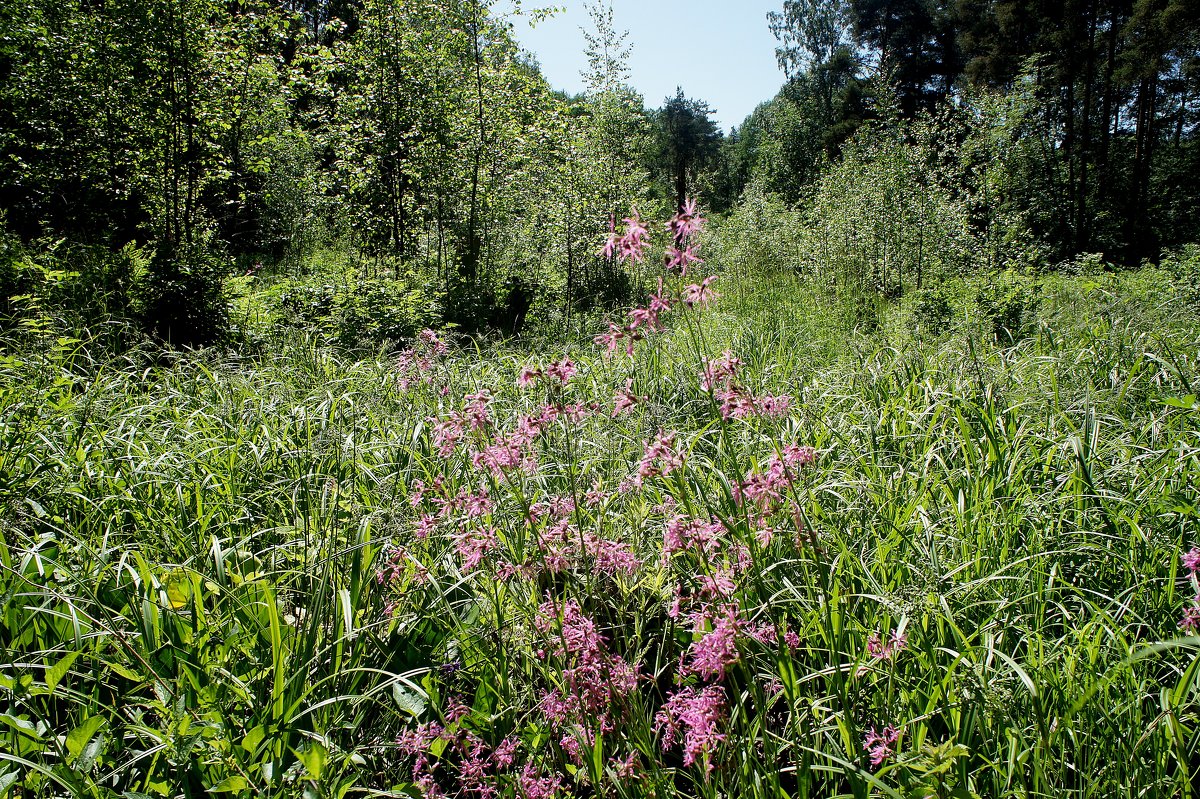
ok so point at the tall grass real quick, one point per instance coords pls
(277, 576)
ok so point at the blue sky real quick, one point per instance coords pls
(719, 51)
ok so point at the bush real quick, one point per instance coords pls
(1183, 265)
(932, 312)
(1007, 305)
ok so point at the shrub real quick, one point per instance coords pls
(1008, 305)
(932, 311)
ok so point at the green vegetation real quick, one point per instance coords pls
(342, 454)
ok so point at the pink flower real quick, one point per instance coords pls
(775, 407)
(717, 650)
(612, 242)
(700, 295)
(1191, 619)
(474, 544)
(624, 769)
(625, 399)
(720, 372)
(881, 650)
(698, 714)
(678, 259)
(533, 786)
(632, 245)
(1191, 560)
(562, 371)
(686, 223)
(505, 752)
(880, 744)
(660, 458)
(527, 376)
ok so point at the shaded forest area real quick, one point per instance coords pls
(156, 156)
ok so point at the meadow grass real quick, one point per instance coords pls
(310, 574)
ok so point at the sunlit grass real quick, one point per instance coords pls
(211, 577)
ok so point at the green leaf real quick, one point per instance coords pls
(408, 701)
(254, 738)
(1188, 402)
(78, 738)
(234, 784)
(313, 757)
(55, 673)
(124, 671)
(23, 727)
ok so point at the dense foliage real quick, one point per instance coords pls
(377, 421)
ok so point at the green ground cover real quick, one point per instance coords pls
(307, 573)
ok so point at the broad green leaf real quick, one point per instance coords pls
(313, 758)
(254, 738)
(234, 784)
(55, 673)
(78, 738)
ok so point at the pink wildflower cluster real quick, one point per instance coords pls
(880, 744)
(561, 545)
(594, 679)
(680, 256)
(682, 533)
(416, 364)
(885, 650)
(534, 785)
(631, 244)
(720, 378)
(558, 371)
(764, 491)
(1191, 615)
(660, 458)
(717, 649)
(696, 716)
(477, 763)
(462, 513)
(683, 228)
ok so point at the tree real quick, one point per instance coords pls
(688, 140)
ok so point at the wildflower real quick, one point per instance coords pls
(527, 376)
(880, 744)
(477, 410)
(533, 786)
(795, 455)
(447, 433)
(885, 650)
(720, 372)
(700, 294)
(625, 399)
(632, 245)
(611, 242)
(562, 371)
(418, 741)
(1191, 560)
(686, 223)
(570, 744)
(504, 754)
(659, 458)
(624, 769)
(717, 650)
(1191, 619)
(775, 406)
(613, 556)
(596, 496)
(697, 714)
(682, 533)
(681, 259)
(474, 544)
(430, 339)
